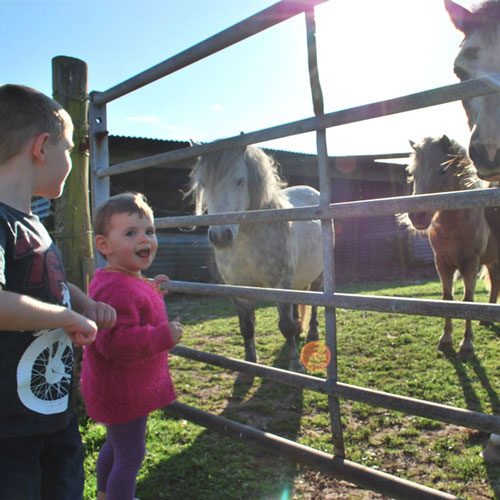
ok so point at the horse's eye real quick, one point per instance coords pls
(239, 182)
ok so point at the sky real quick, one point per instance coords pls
(368, 50)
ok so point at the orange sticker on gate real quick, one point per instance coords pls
(315, 356)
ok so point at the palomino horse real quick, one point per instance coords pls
(272, 255)
(461, 238)
(479, 55)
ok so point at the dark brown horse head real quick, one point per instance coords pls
(431, 170)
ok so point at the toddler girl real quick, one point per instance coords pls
(125, 371)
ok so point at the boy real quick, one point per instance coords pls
(41, 453)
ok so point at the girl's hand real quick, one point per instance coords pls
(159, 279)
(103, 314)
(175, 330)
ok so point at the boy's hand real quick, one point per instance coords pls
(80, 330)
(175, 330)
(159, 279)
(103, 314)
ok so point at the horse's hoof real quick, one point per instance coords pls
(466, 354)
(446, 348)
(244, 378)
(491, 453)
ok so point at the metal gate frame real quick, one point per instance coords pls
(327, 212)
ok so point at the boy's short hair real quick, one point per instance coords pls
(24, 113)
(129, 203)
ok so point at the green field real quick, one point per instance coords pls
(388, 352)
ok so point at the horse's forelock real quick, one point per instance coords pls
(456, 163)
(264, 183)
(485, 18)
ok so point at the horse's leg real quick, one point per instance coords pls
(446, 273)
(246, 316)
(491, 453)
(494, 278)
(290, 328)
(313, 333)
(296, 313)
(469, 274)
(494, 274)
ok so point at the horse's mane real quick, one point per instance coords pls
(457, 165)
(264, 183)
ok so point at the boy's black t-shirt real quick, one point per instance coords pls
(35, 366)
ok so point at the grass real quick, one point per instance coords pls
(388, 352)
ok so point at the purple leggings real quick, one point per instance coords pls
(120, 459)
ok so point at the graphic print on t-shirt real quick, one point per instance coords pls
(46, 268)
(44, 370)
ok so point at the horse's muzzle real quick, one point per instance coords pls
(488, 168)
(220, 236)
(420, 220)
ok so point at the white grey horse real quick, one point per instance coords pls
(479, 56)
(284, 255)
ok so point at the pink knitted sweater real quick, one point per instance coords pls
(125, 371)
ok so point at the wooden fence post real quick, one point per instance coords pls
(72, 227)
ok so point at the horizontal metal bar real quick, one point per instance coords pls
(441, 95)
(437, 308)
(456, 416)
(264, 19)
(341, 468)
(364, 208)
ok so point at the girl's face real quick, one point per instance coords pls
(130, 244)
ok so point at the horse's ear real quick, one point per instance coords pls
(412, 144)
(445, 143)
(463, 19)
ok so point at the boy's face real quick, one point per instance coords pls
(57, 162)
(130, 244)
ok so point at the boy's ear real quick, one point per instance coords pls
(101, 244)
(38, 147)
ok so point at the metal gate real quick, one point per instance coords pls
(327, 212)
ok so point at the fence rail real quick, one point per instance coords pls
(438, 308)
(442, 95)
(364, 208)
(275, 14)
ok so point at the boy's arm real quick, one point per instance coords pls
(103, 314)
(22, 312)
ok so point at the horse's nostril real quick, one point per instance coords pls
(480, 155)
(220, 236)
(477, 153)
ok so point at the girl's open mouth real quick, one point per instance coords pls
(144, 254)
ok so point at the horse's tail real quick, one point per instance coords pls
(304, 315)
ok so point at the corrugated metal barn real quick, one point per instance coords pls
(371, 248)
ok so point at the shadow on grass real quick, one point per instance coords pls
(473, 403)
(214, 466)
